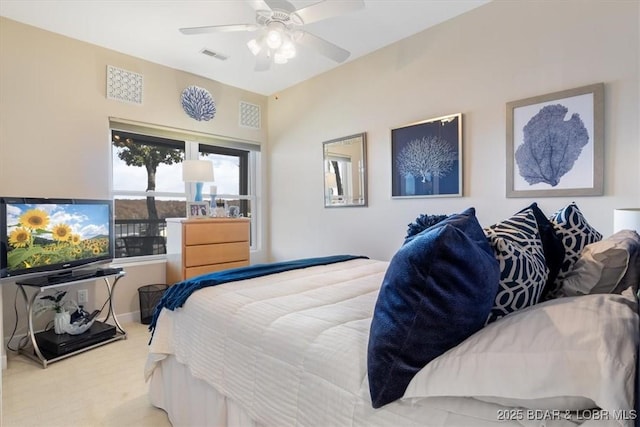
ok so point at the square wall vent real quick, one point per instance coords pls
(123, 85)
(249, 115)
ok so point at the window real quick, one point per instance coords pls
(148, 186)
(231, 174)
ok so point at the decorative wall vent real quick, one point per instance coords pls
(249, 115)
(123, 85)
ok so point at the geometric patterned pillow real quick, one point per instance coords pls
(576, 233)
(518, 248)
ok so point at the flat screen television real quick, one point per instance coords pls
(53, 238)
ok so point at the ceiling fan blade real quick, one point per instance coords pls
(258, 4)
(324, 47)
(280, 5)
(263, 61)
(218, 29)
(328, 9)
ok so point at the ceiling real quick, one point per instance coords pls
(148, 29)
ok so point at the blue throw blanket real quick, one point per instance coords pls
(177, 294)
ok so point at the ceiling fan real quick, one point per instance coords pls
(279, 30)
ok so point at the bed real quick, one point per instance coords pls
(333, 342)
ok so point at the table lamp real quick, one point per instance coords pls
(198, 171)
(626, 219)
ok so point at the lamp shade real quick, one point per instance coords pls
(197, 171)
(626, 219)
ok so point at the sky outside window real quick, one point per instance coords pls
(169, 177)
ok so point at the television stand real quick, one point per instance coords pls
(71, 276)
(99, 334)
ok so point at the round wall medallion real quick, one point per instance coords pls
(198, 103)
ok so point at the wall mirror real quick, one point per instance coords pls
(345, 171)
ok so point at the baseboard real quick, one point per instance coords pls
(133, 317)
(124, 318)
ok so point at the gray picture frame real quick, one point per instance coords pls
(555, 144)
(345, 171)
(426, 158)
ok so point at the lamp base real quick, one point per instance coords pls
(198, 191)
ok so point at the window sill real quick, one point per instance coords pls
(139, 261)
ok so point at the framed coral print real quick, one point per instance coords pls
(426, 158)
(555, 144)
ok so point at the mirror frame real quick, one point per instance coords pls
(362, 174)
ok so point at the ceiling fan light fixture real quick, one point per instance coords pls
(288, 49)
(254, 47)
(279, 25)
(279, 58)
(275, 35)
(274, 39)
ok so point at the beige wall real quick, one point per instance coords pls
(54, 120)
(54, 127)
(473, 64)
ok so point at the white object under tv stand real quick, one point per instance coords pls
(32, 350)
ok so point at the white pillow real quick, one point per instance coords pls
(602, 266)
(568, 353)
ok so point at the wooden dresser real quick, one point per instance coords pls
(198, 246)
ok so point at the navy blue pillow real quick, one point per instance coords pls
(421, 223)
(552, 246)
(438, 290)
(463, 220)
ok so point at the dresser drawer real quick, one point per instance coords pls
(203, 269)
(200, 246)
(215, 253)
(216, 232)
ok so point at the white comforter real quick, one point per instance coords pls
(291, 349)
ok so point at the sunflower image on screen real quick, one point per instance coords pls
(53, 234)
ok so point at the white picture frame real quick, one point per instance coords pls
(197, 210)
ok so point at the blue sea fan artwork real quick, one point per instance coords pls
(551, 145)
(198, 103)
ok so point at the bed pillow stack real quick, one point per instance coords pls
(589, 341)
(451, 278)
(438, 290)
(518, 248)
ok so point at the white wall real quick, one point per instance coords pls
(473, 64)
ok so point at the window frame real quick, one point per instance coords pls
(248, 154)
